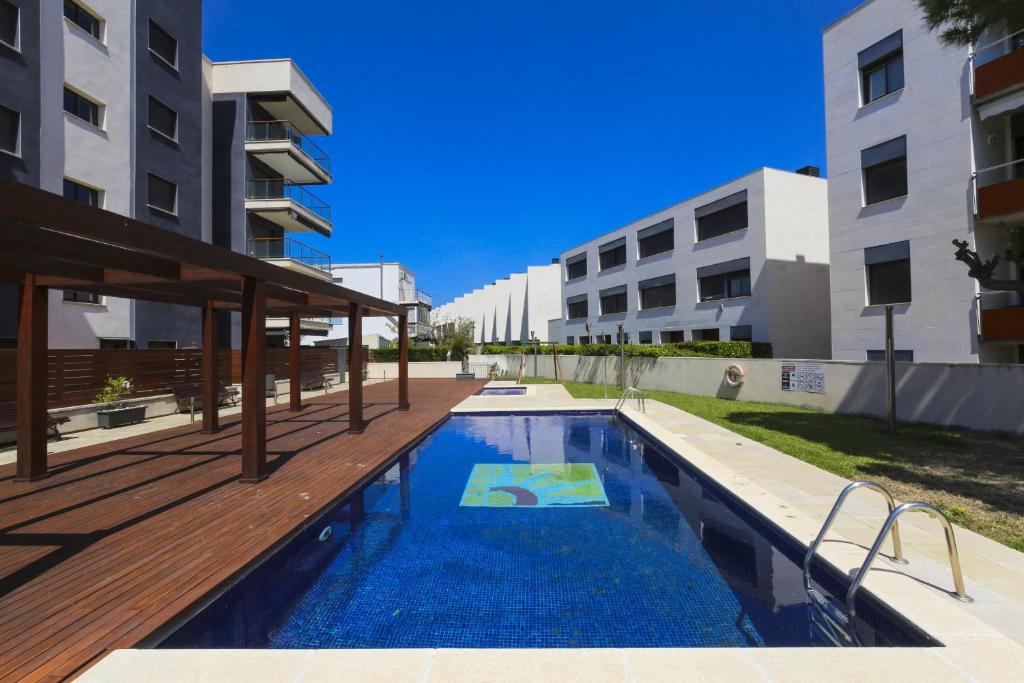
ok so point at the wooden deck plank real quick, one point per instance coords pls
(126, 536)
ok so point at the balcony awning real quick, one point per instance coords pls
(1002, 105)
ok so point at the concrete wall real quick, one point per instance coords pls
(422, 370)
(984, 397)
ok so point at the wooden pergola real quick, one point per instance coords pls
(50, 241)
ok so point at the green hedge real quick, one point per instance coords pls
(417, 354)
(706, 349)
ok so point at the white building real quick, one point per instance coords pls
(509, 310)
(747, 260)
(925, 145)
(390, 281)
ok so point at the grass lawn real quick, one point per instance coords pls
(976, 478)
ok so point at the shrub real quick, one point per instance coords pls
(708, 349)
(115, 391)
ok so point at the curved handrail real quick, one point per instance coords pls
(954, 556)
(813, 547)
(641, 402)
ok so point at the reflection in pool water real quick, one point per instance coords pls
(669, 561)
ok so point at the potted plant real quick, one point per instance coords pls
(116, 412)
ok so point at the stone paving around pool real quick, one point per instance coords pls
(982, 640)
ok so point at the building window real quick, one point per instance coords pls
(576, 307)
(82, 18)
(656, 239)
(82, 107)
(646, 337)
(706, 334)
(885, 171)
(741, 333)
(163, 119)
(724, 280)
(888, 273)
(80, 193)
(659, 292)
(584, 339)
(881, 68)
(721, 217)
(576, 266)
(613, 300)
(8, 24)
(902, 356)
(612, 254)
(81, 297)
(673, 337)
(622, 337)
(603, 339)
(115, 343)
(161, 344)
(162, 44)
(10, 125)
(163, 194)
(570, 339)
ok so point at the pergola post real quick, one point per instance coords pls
(294, 368)
(355, 368)
(403, 362)
(254, 367)
(211, 418)
(31, 380)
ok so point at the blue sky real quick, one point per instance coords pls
(474, 138)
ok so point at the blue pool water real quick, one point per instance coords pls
(503, 391)
(634, 550)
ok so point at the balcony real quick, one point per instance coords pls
(290, 206)
(411, 295)
(999, 192)
(284, 148)
(292, 254)
(419, 331)
(998, 67)
(314, 327)
(1003, 325)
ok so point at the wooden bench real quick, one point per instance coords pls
(191, 393)
(315, 379)
(9, 419)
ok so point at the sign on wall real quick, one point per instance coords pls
(809, 377)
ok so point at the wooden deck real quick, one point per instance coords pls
(126, 535)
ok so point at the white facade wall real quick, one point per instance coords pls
(935, 112)
(367, 278)
(99, 157)
(786, 241)
(507, 310)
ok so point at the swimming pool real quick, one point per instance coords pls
(532, 531)
(502, 391)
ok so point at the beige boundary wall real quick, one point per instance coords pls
(978, 396)
(423, 370)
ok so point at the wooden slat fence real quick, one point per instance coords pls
(75, 376)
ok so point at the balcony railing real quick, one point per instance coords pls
(419, 330)
(288, 248)
(282, 189)
(999, 189)
(998, 65)
(279, 131)
(412, 294)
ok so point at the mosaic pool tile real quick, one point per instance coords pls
(520, 485)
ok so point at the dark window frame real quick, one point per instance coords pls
(5, 8)
(83, 194)
(620, 303)
(706, 334)
(741, 333)
(873, 193)
(156, 128)
(661, 295)
(891, 70)
(570, 340)
(614, 254)
(83, 19)
(878, 293)
(725, 221)
(655, 243)
(75, 297)
(149, 194)
(878, 355)
(729, 281)
(571, 266)
(16, 150)
(80, 104)
(115, 343)
(572, 309)
(645, 337)
(162, 33)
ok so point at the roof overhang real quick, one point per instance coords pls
(280, 88)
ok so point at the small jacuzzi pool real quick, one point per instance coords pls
(502, 391)
(516, 531)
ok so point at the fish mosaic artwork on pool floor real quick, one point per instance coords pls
(527, 485)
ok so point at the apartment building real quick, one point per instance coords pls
(747, 260)
(925, 145)
(509, 311)
(391, 281)
(111, 103)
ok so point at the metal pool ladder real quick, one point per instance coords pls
(641, 403)
(835, 622)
